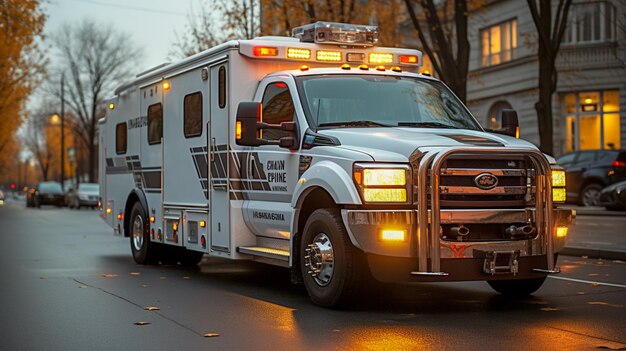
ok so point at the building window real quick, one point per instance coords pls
(155, 123)
(192, 115)
(120, 138)
(592, 120)
(499, 43)
(277, 107)
(590, 23)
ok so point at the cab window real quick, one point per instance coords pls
(277, 107)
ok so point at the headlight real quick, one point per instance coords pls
(382, 183)
(559, 194)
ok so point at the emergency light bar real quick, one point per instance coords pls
(337, 33)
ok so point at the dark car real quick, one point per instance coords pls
(85, 195)
(48, 193)
(613, 197)
(588, 172)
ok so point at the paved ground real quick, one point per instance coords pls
(69, 284)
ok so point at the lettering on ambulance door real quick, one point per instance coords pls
(219, 208)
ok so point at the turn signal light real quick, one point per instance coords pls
(393, 235)
(238, 130)
(120, 216)
(264, 51)
(202, 224)
(151, 219)
(561, 232)
(166, 85)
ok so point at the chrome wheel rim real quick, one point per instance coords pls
(319, 259)
(138, 233)
(591, 197)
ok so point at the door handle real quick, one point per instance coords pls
(213, 142)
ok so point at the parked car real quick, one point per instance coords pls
(48, 193)
(588, 172)
(85, 195)
(1, 198)
(613, 197)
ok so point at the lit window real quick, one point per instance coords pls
(590, 22)
(499, 43)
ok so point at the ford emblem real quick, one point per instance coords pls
(486, 181)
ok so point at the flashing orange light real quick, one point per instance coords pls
(298, 54)
(166, 85)
(151, 219)
(304, 68)
(409, 59)
(202, 224)
(393, 235)
(364, 67)
(561, 232)
(265, 51)
(324, 55)
(396, 69)
(238, 130)
(345, 66)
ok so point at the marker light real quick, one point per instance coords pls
(298, 54)
(238, 130)
(380, 68)
(120, 216)
(392, 235)
(111, 106)
(396, 69)
(559, 195)
(426, 73)
(364, 67)
(175, 226)
(380, 57)
(265, 51)
(304, 68)
(384, 176)
(384, 195)
(109, 211)
(151, 219)
(323, 55)
(345, 66)
(561, 232)
(558, 178)
(202, 224)
(166, 85)
(409, 59)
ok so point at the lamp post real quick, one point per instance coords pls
(62, 132)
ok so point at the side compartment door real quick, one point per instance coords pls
(219, 208)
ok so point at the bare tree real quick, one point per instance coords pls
(35, 140)
(94, 58)
(550, 32)
(445, 40)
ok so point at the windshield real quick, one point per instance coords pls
(50, 188)
(336, 101)
(89, 187)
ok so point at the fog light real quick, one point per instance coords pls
(561, 232)
(393, 235)
(559, 195)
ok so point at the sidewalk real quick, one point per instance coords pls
(597, 233)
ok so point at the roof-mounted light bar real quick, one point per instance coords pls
(337, 33)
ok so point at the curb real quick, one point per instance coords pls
(593, 253)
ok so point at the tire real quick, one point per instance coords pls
(144, 251)
(517, 288)
(590, 195)
(339, 279)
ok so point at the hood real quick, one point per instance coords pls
(397, 144)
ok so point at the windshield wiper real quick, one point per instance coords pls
(426, 125)
(354, 124)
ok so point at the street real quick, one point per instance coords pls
(70, 284)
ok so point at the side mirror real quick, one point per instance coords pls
(247, 127)
(506, 123)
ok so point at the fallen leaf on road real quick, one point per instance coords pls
(210, 335)
(597, 303)
(593, 274)
(595, 284)
(151, 308)
(108, 275)
(186, 278)
(550, 309)
(619, 261)
(162, 278)
(142, 323)
(83, 286)
(144, 285)
(581, 293)
(43, 278)
(135, 273)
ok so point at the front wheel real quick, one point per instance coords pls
(144, 251)
(330, 265)
(591, 195)
(517, 288)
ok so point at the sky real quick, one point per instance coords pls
(150, 24)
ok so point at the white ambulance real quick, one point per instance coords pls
(331, 156)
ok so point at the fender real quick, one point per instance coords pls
(332, 178)
(141, 196)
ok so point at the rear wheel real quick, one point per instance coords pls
(590, 196)
(330, 265)
(144, 251)
(517, 288)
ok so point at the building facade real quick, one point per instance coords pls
(588, 108)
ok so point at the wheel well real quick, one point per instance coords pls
(316, 198)
(130, 202)
(591, 181)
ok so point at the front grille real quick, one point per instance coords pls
(458, 188)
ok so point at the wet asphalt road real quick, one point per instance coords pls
(69, 284)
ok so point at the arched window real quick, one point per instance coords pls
(493, 122)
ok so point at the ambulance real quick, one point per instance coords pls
(333, 157)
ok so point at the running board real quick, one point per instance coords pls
(267, 252)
